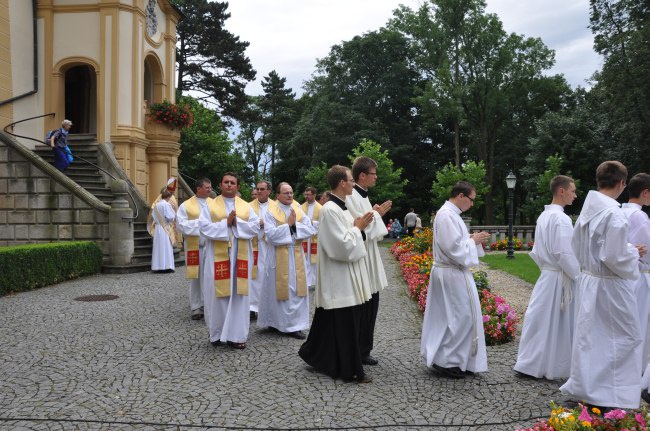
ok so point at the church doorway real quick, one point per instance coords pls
(81, 99)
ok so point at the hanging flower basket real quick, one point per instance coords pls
(176, 116)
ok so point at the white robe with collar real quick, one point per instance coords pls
(546, 339)
(162, 253)
(342, 273)
(191, 228)
(311, 267)
(452, 330)
(375, 232)
(606, 356)
(293, 314)
(260, 281)
(228, 318)
(639, 234)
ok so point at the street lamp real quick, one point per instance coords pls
(511, 181)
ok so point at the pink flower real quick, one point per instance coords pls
(486, 318)
(615, 414)
(584, 415)
(639, 419)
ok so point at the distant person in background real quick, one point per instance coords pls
(254, 194)
(324, 197)
(410, 221)
(162, 255)
(418, 224)
(395, 229)
(312, 209)
(59, 144)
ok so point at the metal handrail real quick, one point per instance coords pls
(137, 211)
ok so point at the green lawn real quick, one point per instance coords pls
(521, 266)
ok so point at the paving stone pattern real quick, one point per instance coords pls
(139, 362)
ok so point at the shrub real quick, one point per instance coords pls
(32, 266)
(503, 244)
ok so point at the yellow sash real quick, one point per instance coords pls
(221, 250)
(255, 204)
(193, 210)
(282, 257)
(314, 238)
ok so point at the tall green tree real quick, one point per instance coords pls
(212, 62)
(471, 172)
(251, 138)
(477, 73)
(622, 36)
(206, 150)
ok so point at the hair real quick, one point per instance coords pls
(268, 184)
(638, 184)
(165, 194)
(230, 174)
(361, 165)
(312, 190)
(462, 187)
(66, 123)
(610, 173)
(336, 174)
(200, 183)
(560, 181)
(279, 187)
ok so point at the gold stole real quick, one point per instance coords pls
(282, 257)
(167, 227)
(221, 257)
(255, 204)
(193, 210)
(314, 238)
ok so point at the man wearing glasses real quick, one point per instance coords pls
(364, 172)
(284, 302)
(260, 205)
(453, 341)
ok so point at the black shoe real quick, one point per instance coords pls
(452, 372)
(525, 376)
(197, 314)
(364, 379)
(216, 343)
(253, 315)
(369, 360)
(297, 334)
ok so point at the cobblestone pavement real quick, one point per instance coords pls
(139, 362)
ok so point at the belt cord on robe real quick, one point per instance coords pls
(567, 291)
(609, 277)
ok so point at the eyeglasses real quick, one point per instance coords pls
(470, 199)
(371, 173)
(260, 190)
(287, 193)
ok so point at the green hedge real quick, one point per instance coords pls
(32, 266)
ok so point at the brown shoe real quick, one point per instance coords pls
(364, 379)
(239, 346)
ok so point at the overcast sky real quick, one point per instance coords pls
(289, 35)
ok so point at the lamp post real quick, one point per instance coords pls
(511, 181)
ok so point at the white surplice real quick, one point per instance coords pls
(342, 273)
(228, 318)
(162, 253)
(311, 267)
(452, 330)
(606, 356)
(260, 281)
(376, 231)
(639, 234)
(546, 339)
(292, 314)
(191, 228)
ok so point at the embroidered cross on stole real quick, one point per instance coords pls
(222, 274)
(282, 257)
(193, 210)
(314, 239)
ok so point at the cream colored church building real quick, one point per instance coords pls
(97, 64)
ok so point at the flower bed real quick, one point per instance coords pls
(503, 244)
(415, 261)
(581, 418)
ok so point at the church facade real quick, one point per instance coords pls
(97, 63)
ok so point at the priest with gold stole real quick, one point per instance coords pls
(284, 302)
(310, 245)
(187, 222)
(226, 281)
(260, 246)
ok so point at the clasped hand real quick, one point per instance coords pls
(479, 237)
(383, 208)
(363, 221)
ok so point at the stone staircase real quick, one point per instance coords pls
(91, 179)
